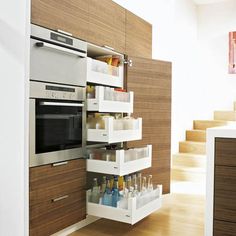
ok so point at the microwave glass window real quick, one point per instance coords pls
(57, 127)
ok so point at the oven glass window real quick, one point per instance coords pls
(58, 127)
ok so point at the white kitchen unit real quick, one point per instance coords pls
(115, 101)
(133, 213)
(123, 163)
(110, 135)
(98, 72)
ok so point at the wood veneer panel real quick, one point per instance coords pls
(68, 15)
(107, 24)
(222, 228)
(225, 151)
(151, 82)
(138, 40)
(225, 193)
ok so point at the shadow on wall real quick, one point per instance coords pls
(10, 39)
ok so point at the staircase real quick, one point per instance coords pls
(189, 165)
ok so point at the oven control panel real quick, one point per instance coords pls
(55, 91)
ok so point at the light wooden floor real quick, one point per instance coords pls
(181, 215)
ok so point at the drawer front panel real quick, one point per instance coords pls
(225, 193)
(222, 228)
(225, 151)
(48, 194)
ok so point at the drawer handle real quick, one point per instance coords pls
(60, 198)
(60, 163)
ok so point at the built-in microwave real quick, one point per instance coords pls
(57, 123)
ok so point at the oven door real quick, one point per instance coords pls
(57, 131)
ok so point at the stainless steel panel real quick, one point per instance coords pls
(54, 66)
(38, 90)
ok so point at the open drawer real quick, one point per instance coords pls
(133, 214)
(107, 100)
(98, 72)
(111, 135)
(119, 162)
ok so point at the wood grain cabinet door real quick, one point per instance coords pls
(138, 36)
(68, 15)
(150, 80)
(107, 24)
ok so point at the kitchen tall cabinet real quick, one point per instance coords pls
(70, 16)
(150, 80)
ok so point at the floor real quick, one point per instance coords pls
(182, 214)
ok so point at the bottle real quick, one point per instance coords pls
(103, 186)
(134, 180)
(150, 185)
(144, 185)
(128, 183)
(120, 183)
(139, 182)
(115, 193)
(107, 197)
(95, 193)
(112, 183)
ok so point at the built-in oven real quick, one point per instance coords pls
(57, 123)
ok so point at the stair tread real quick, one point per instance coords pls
(193, 142)
(190, 169)
(205, 124)
(225, 115)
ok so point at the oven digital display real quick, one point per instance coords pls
(62, 89)
(61, 38)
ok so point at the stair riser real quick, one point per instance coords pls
(188, 162)
(225, 115)
(196, 136)
(198, 148)
(179, 175)
(203, 125)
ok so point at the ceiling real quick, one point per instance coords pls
(207, 1)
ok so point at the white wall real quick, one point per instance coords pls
(14, 18)
(174, 39)
(218, 87)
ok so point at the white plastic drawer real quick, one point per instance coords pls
(124, 161)
(131, 215)
(102, 103)
(112, 76)
(110, 135)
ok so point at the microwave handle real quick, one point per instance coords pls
(62, 49)
(68, 104)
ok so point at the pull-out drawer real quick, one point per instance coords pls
(53, 215)
(110, 135)
(132, 214)
(119, 162)
(110, 101)
(97, 72)
(225, 151)
(52, 175)
(225, 194)
(57, 196)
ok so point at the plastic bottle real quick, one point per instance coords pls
(115, 193)
(107, 197)
(95, 193)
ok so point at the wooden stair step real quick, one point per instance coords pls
(192, 147)
(188, 174)
(225, 115)
(188, 160)
(204, 124)
(196, 135)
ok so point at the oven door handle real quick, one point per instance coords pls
(66, 104)
(62, 49)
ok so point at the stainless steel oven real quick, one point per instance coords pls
(57, 122)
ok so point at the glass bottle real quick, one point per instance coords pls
(115, 193)
(128, 184)
(134, 180)
(120, 183)
(107, 197)
(150, 185)
(95, 193)
(103, 186)
(139, 182)
(144, 185)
